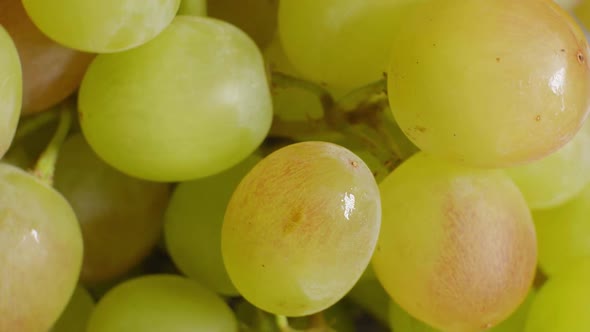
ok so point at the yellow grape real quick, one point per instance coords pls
(11, 90)
(490, 83)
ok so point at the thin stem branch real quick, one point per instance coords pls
(33, 123)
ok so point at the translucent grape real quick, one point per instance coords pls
(342, 43)
(190, 103)
(301, 227)
(156, 303)
(568, 4)
(558, 177)
(113, 208)
(101, 26)
(50, 72)
(193, 226)
(562, 303)
(193, 7)
(10, 90)
(564, 233)
(457, 247)
(510, 91)
(75, 316)
(258, 18)
(40, 252)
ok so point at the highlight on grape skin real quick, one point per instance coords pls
(101, 26)
(300, 228)
(457, 247)
(509, 92)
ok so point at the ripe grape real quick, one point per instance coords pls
(156, 303)
(342, 43)
(75, 316)
(113, 208)
(41, 252)
(51, 72)
(508, 92)
(568, 4)
(190, 103)
(563, 233)
(301, 227)
(457, 247)
(257, 18)
(553, 180)
(562, 303)
(10, 90)
(101, 26)
(193, 222)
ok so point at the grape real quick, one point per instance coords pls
(101, 26)
(558, 177)
(156, 303)
(300, 228)
(508, 92)
(401, 321)
(370, 295)
(41, 252)
(50, 72)
(193, 7)
(564, 233)
(191, 103)
(10, 90)
(568, 4)
(193, 226)
(258, 18)
(342, 43)
(75, 316)
(457, 247)
(112, 208)
(562, 303)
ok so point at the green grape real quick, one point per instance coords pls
(125, 212)
(457, 247)
(564, 233)
(301, 227)
(156, 303)
(257, 18)
(193, 7)
(342, 43)
(568, 4)
(101, 26)
(10, 90)
(336, 318)
(562, 302)
(510, 91)
(370, 295)
(558, 177)
(193, 222)
(401, 321)
(75, 316)
(40, 252)
(190, 103)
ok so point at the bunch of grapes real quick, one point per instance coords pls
(294, 165)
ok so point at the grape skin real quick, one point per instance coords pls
(10, 90)
(75, 317)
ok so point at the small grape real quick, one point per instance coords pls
(75, 316)
(300, 228)
(457, 247)
(10, 90)
(156, 303)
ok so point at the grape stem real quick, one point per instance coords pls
(359, 116)
(45, 167)
(31, 124)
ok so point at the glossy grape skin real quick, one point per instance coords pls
(112, 208)
(509, 92)
(457, 247)
(10, 90)
(342, 43)
(75, 316)
(51, 72)
(562, 302)
(41, 252)
(170, 110)
(308, 235)
(563, 233)
(101, 26)
(192, 228)
(557, 178)
(156, 303)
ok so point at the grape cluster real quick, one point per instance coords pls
(294, 165)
